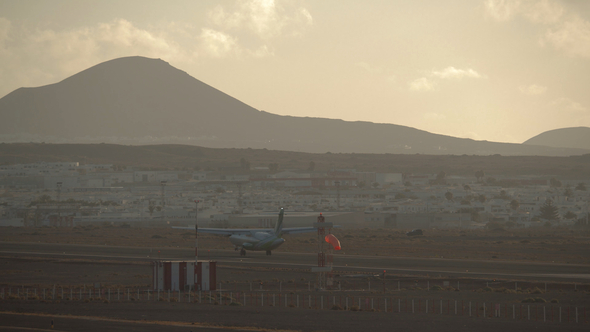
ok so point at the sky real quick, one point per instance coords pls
(496, 70)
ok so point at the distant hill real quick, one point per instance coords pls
(188, 157)
(136, 100)
(576, 138)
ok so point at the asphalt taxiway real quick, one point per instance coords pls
(540, 271)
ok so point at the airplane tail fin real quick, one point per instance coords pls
(279, 225)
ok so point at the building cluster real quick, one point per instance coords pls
(69, 194)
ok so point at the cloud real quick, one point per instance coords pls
(450, 73)
(264, 18)
(454, 73)
(566, 104)
(537, 11)
(532, 89)
(502, 10)
(218, 44)
(572, 37)
(422, 84)
(567, 31)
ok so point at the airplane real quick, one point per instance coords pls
(256, 239)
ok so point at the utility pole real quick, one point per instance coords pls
(337, 183)
(163, 184)
(197, 282)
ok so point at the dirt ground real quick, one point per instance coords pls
(533, 244)
(28, 271)
(267, 318)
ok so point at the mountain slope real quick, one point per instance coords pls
(576, 137)
(136, 100)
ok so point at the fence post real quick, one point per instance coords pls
(528, 311)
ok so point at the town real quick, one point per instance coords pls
(66, 194)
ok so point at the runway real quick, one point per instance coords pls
(344, 263)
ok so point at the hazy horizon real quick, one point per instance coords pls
(491, 70)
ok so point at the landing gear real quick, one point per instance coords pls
(268, 253)
(243, 252)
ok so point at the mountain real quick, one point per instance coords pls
(137, 100)
(576, 138)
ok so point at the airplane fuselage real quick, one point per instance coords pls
(260, 241)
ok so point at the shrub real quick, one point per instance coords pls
(488, 289)
(235, 304)
(536, 290)
(86, 300)
(105, 301)
(554, 301)
(336, 307)
(528, 300)
(173, 299)
(540, 300)
(162, 299)
(355, 308)
(436, 288)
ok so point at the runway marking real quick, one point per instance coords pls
(250, 260)
(195, 325)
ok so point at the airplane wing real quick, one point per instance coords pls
(298, 230)
(252, 231)
(227, 231)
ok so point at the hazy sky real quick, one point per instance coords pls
(497, 70)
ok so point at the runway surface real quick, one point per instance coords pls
(393, 265)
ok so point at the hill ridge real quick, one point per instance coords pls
(138, 100)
